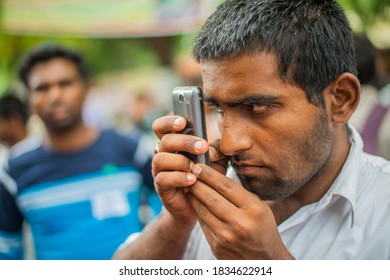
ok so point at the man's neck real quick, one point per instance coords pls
(75, 139)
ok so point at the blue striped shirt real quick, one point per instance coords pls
(79, 205)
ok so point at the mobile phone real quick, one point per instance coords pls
(188, 103)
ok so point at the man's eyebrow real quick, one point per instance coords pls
(209, 99)
(244, 101)
(43, 85)
(40, 86)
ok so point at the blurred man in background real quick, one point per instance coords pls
(81, 189)
(14, 132)
(13, 120)
(17, 137)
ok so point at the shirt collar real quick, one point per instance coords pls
(344, 186)
(347, 181)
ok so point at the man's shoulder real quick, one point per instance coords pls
(30, 155)
(28, 144)
(376, 165)
(374, 178)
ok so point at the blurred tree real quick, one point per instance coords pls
(102, 55)
(368, 11)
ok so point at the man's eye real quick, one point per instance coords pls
(65, 83)
(216, 107)
(41, 88)
(259, 107)
(219, 109)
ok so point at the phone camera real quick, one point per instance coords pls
(181, 98)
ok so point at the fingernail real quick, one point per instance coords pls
(176, 121)
(191, 164)
(197, 169)
(191, 177)
(198, 145)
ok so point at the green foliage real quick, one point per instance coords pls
(368, 10)
(102, 55)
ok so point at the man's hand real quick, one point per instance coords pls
(171, 170)
(236, 223)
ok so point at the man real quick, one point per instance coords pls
(17, 139)
(13, 124)
(14, 132)
(282, 77)
(13, 120)
(81, 189)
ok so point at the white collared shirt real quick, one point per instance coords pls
(351, 221)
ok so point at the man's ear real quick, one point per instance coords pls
(342, 97)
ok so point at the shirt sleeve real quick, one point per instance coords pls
(11, 220)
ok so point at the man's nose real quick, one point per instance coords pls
(55, 92)
(235, 136)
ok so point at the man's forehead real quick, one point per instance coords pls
(51, 70)
(242, 65)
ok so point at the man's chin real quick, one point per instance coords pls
(61, 127)
(265, 188)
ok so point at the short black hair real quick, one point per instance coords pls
(46, 52)
(311, 39)
(12, 106)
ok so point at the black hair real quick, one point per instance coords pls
(12, 106)
(46, 52)
(365, 59)
(311, 39)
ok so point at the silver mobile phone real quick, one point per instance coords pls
(188, 103)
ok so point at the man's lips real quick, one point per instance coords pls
(248, 169)
(58, 112)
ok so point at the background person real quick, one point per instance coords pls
(14, 130)
(81, 189)
(372, 116)
(282, 76)
(13, 120)
(18, 137)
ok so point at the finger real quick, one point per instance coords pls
(218, 160)
(210, 224)
(218, 234)
(228, 188)
(173, 179)
(170, 162)
(168, 124)
(213, 202)
(183, 143)
(215, 152)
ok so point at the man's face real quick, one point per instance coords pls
(57, 94)
(275, 139)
